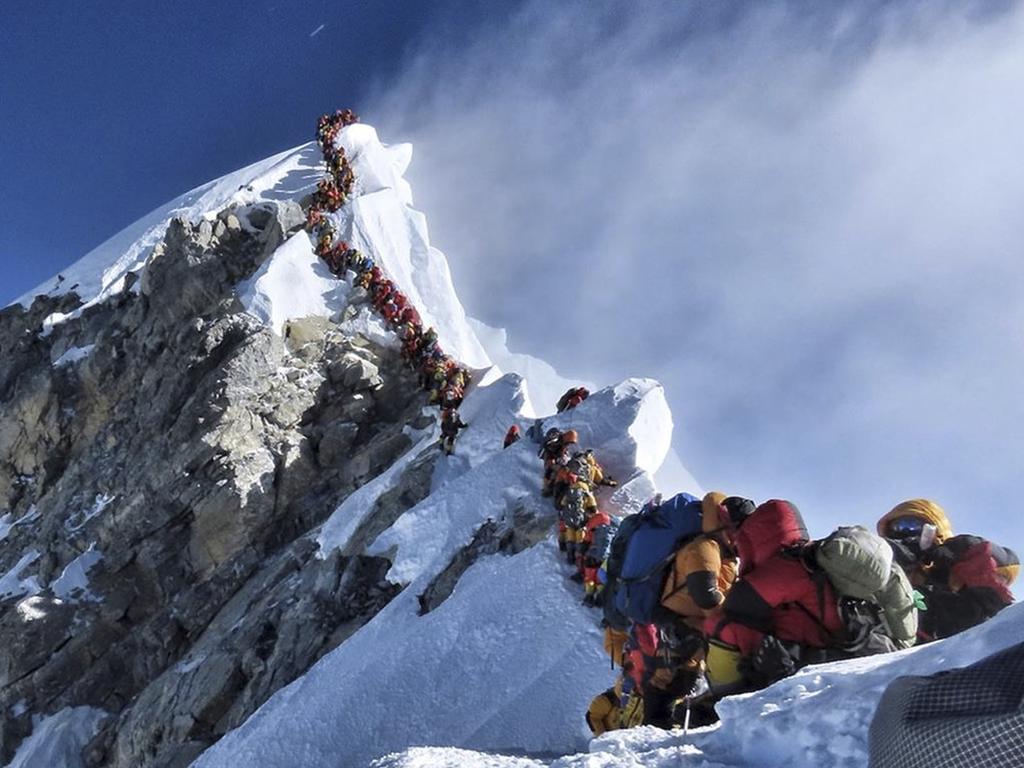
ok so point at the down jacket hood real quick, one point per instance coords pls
(773, 525)
(927, 510)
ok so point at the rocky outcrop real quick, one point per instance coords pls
(164, 462)
(528, 524)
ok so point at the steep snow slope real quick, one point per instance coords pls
(501, 663)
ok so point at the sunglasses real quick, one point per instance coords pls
(903, 527)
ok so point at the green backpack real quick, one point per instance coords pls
(860, 567)
(857, 561)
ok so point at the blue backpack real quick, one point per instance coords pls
(652, 544)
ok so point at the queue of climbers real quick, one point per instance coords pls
(571, 478)
(440, 374)
(705, 598)
(701, 598)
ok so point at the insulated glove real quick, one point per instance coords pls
(772, 661)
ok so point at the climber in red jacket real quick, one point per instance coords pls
(776, 602)
(512, 436)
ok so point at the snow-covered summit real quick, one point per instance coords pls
(380, 221)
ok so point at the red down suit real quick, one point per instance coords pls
(775, 593)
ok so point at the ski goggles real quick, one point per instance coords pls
(905, 527)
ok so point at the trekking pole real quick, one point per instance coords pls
(686, 720)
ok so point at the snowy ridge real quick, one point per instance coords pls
(536, 632)
(101, 272)
(381, 222)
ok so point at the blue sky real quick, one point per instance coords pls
(802, 218)
(109, 108)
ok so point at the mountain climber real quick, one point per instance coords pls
(411, 317)
(382, 292)
(335, 260)
(451, 423)
(585, 465)
(912, 527)
(410, 342)
(577, 504)
(968, 582)
(653, 668)
(451, 396)
(701, 574)
(704, 569)
(429, 338)
(775, 609)
(458, 377)
(512, 436)
(439, 380)
(555, 450)
(390, 313)
(572, 397)
(963, 579)
(598, 533)
(565, 477)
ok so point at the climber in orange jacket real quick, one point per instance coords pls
(705, 568)
(698, 580)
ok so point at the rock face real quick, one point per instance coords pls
(163, 460)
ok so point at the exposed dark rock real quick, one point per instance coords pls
(528, 525)
(196, 452)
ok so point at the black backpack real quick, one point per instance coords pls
(574, 512)
(580, 466)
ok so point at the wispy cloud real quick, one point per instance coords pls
(805, 224)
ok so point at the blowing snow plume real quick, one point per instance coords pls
(807, 210)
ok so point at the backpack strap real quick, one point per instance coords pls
(679, 588)
(660, 564)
